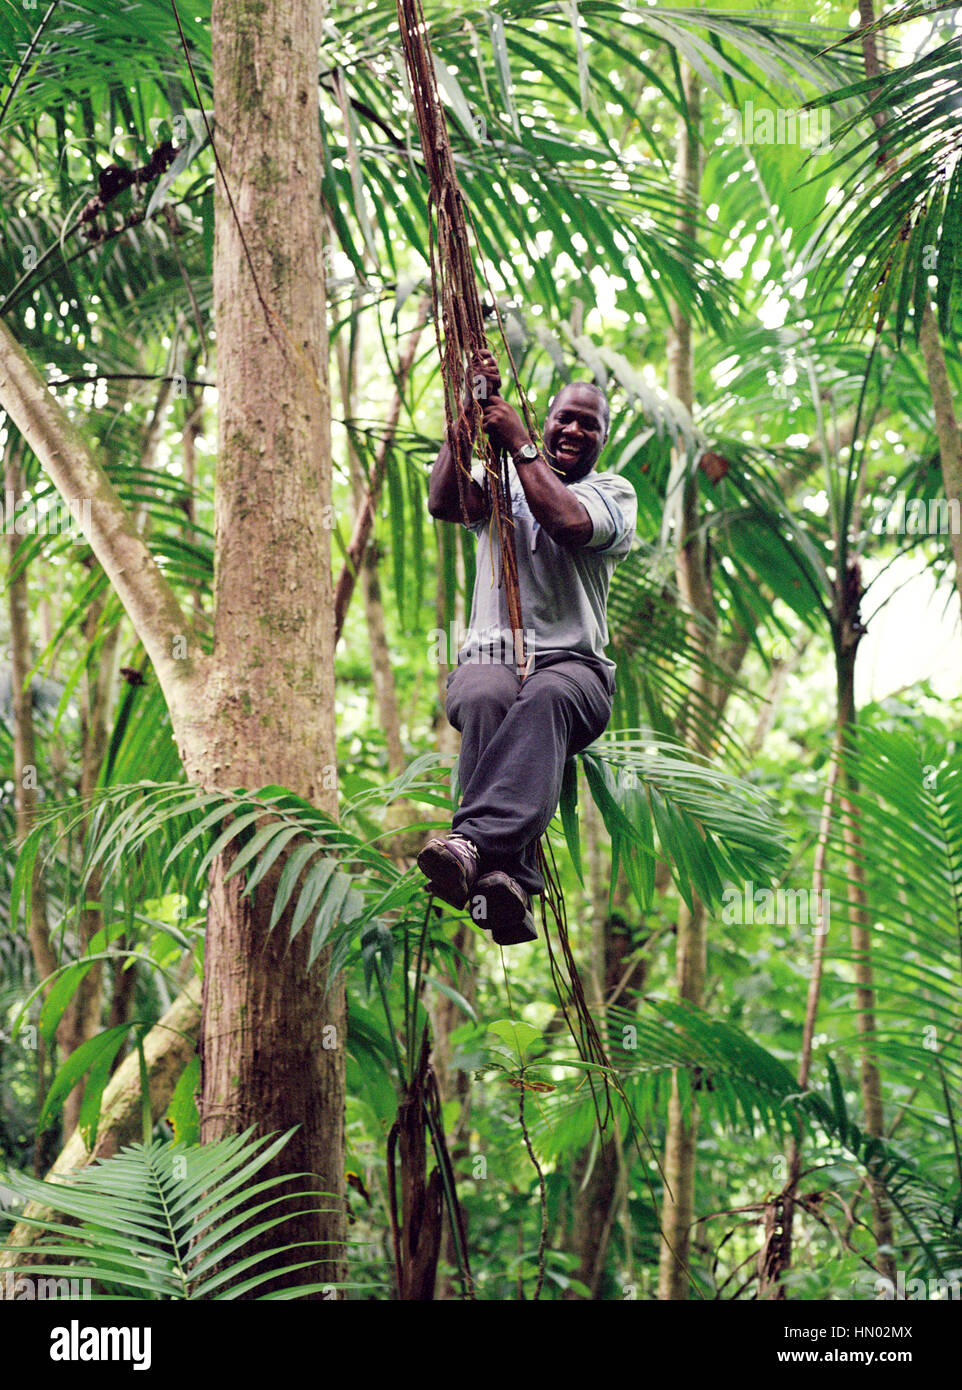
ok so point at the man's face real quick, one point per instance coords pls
(574, 431)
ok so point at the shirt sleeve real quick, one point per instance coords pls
(611, 503)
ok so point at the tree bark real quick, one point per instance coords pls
(861, 937)
(946, 427)
(600, 1189)
(82, 1017)
(260, 708)
(694, 587)
(273, 1037)
(24, 739)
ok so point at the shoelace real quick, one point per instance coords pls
(463, 842)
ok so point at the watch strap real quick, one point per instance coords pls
(526, 454)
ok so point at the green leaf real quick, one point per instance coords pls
(94, 1055)
(182, 1112)
(569, 813)
(516, 1033)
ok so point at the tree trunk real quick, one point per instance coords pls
(260, 709)
(694, 587)
(861, 936)
(776, 1254)
(382, 672)
(26, 779)
(273, 1038)
(600, 1189)
(365, 554)
(82, 1018)
(946, 426)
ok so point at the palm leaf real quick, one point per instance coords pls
(707, 824)
(161, 1220)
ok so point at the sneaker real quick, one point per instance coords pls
(509, 916)
(450, 864)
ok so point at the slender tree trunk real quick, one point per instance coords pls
(82, 1018)
(364, 520)
(776, 1254)
(122, 995)
(598, 1176)
(848, 634)
(382, 672)
(782, 669)
(946, 427)
(454, 1084)
(694, 587)
(26, 779)
(861, 936)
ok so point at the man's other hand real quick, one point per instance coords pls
(503, 424)
(483, 379)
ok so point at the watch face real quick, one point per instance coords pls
(529, 451)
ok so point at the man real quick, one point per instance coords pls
(572, 526)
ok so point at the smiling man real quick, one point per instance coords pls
(572, 526)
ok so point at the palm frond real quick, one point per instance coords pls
(159, 1221)
(708, 825)
(913, 887)
(907, 225)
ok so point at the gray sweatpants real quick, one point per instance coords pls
(515, 738)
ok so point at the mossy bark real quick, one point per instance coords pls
(273, 1038)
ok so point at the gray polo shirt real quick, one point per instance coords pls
(564, 589)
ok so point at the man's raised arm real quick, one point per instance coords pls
(444, 501)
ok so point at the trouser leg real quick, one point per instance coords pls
(478, 697)
(511, 787)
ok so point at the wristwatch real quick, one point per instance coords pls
(526, 454)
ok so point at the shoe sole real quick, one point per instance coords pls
(515, 923)
(445, 876)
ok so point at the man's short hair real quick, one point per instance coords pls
(591, 386)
